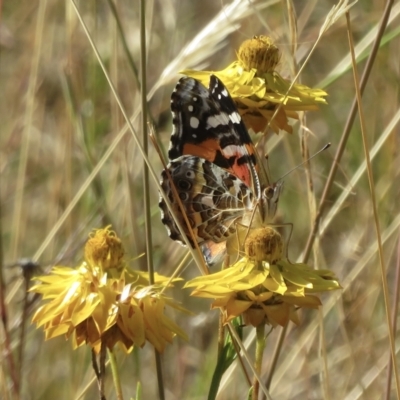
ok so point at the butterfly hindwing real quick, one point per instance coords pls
(211, 197)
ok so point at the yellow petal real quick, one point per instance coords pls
(256, 278)
(236, 307)
(221, 302)
(131, 322)
(254, 316)
(57, 330)
(273, 286)
(214, 291)
(306, 301)
(296, 279)
(278, 313)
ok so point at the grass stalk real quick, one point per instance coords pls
(347, 130)
(246, 356)
(21, 180)
(146, 185)
(138, 391)
(128, 54)
(28, 125)
(6, 348)
(115, 374)
(260, 347)
(323, 357)
(275, 356)
(396, 299)
(375, 211)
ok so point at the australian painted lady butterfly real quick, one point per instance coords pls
(214, 167)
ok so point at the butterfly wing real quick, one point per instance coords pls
(208, 125)
(213, 166)
(212, 199)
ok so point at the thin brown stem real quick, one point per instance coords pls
(6, 347)
(95, 365)
(115, 374)
(103, 352)
(99, 372)
(239, 356)
(247, 358)
(275, 356)
(335, 164)
(347, 129)
(146, 183)
(260, 346)
(382, 263)
(127, 53)
(23, 329)
(396, 299)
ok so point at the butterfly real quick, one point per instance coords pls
(215, 169)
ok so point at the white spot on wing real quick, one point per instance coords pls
(213, 121)
(224, 93)
(219, 119)
(194, 122)
(231, 150)
(235, 117)
(190, 108)
(194, 98)
(207, 201)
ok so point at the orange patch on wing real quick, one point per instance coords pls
(243, 173)
(214, 250)
(206, 149)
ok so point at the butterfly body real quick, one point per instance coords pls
(214, 168)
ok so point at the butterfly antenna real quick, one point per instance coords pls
(308, 159)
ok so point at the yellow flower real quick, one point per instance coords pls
(103, 301)
(262, 286)
(258, 89)
(104, 249)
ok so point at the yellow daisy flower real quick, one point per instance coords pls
(262, 286)
(258, 89)
(103, 301)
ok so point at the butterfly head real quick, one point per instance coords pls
(269, 200)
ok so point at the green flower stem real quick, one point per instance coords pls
(115, 374)
(260, 346)
(221, 334)
(138, 391)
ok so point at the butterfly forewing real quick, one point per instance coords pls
(207, 124)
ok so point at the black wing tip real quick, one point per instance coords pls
(216, 82)
(214, 79)
(184, 80)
